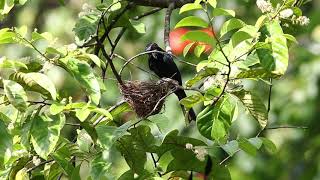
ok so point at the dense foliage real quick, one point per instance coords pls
(48, 131)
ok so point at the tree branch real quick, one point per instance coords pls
(161, 3)
(167, 27)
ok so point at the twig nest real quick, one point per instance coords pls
(147, 98)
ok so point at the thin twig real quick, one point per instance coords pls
(155, 10)
(33, 46)
(149, 52)
(225, 159)
(225, 56)
(110, 109)
(155, 163)
(167, 27)
(115, 73)
(286, 127)
(40, 164)
(269, 97)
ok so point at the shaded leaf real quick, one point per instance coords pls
(214, 121)
(83, 73)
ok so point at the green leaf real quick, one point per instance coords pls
(53, 171)
(192, 100)
(192, 21)
(212, 3)
(115, 6)
(97, 61)
(12, 64)
(108, 135)
(198, 50)
(274, 55)
(139, 142)
(99, 167)
(214, 121)
(43, 36)
(255, 106)
(199, 36)
(101, 111)
(246, 146)
(83, 73)
(291, 38)
(231, 147)
(174, 141)
(230, 25)
(86, 26)
(84, 140)
(6, 36)
(22, 31)
(63, 157)
(45, 133)
(190, 7)
(202, 74)
(5, 145)
(269, 145)
(184, 159)
(6, 6)
(83, 113)
(257, 142)
(187, 48)
(76, 173)
(5, 118)
(219, 172)
(16, 95)
(22, 174)
(37, 82)
(223, 12)
(139, 27)
(56, 108)
(255, 74)
(90, 130)
(246, 32)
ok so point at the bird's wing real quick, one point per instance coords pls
(172, 68)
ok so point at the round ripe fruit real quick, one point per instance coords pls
(177, 45)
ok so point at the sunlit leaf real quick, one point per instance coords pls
(192, 21)
(199, 36)
(16, 95)
(45, 133)
(6, 36)
(255, 106)
(37, 82)
(230, 25)
(192, 100)
(189, 7)
(223, 12)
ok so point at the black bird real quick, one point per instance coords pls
(162, 65)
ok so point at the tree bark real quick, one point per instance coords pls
(161, 3)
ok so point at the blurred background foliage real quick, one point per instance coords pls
(295, 97)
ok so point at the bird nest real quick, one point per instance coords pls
(147, 98)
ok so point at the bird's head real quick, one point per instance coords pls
(153, 47)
